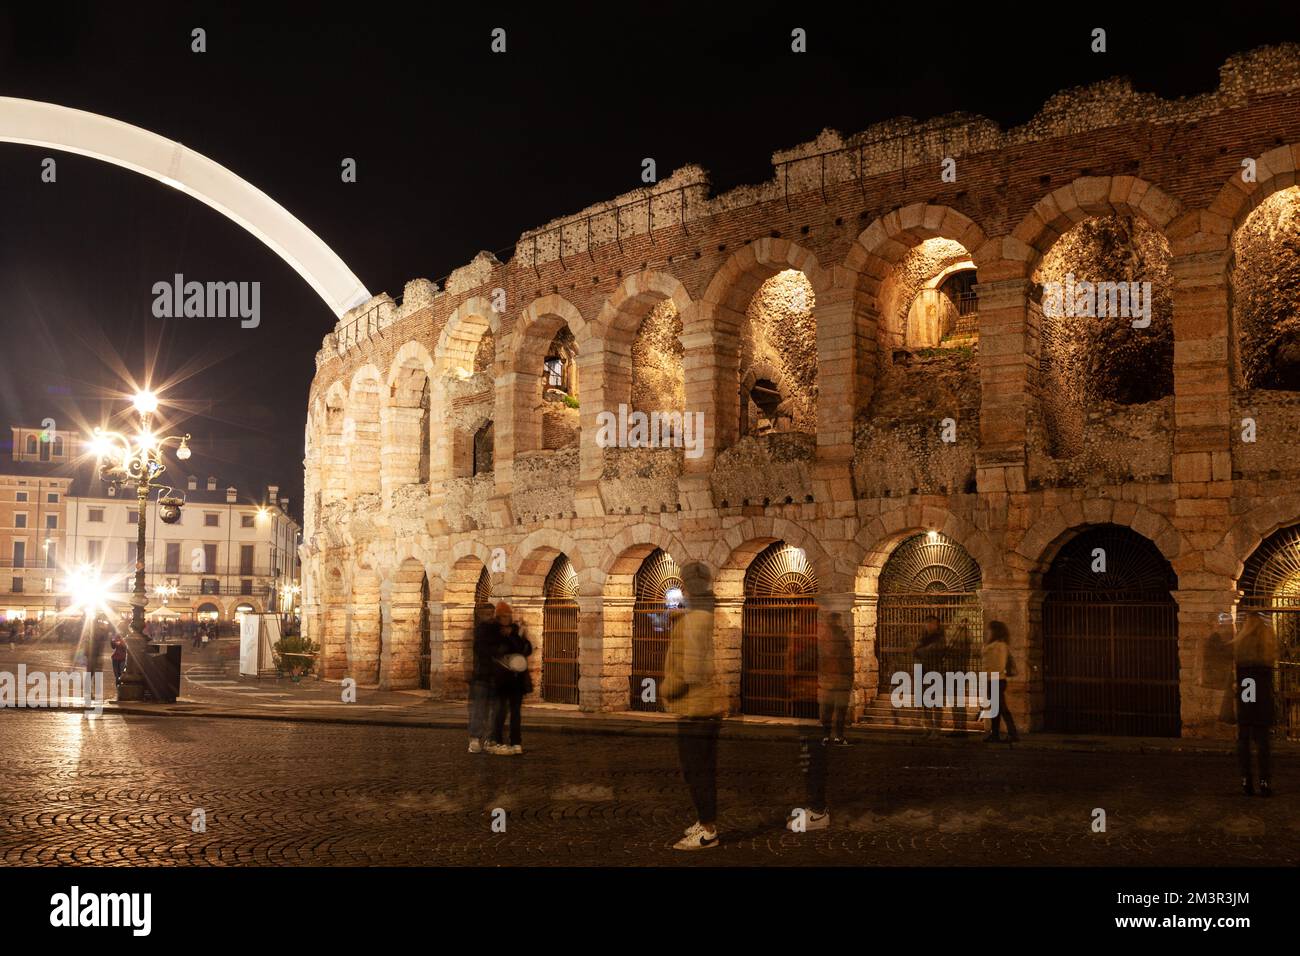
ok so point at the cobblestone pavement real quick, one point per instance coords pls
(121, 789)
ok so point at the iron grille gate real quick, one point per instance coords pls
(1284, 616)
(928, 575)
(900, 624)
(653, 617)
(1110, 664)
(1110, 637)
(1270, 582)
(778, 660)
(560, 634)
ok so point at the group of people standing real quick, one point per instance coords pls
(691, 690)
(499, 679)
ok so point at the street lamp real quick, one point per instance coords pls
(138, 461)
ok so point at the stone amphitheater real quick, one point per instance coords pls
(892, 426)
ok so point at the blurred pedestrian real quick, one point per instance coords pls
(512, 682)
(834, 677)
(998, 664)
(1254, 654)
(690, 690)
(929, 653)
(119, 658)
(482, 681)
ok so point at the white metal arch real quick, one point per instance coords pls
(74, 131)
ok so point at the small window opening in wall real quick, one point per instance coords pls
(554, 365)
(766, 397)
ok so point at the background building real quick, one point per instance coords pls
(230, 551)
(34, 483)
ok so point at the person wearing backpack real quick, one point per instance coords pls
(999, 665)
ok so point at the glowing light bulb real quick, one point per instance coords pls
(146, 402)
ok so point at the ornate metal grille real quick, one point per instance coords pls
(483, 590)
(928, 575)
(1270, 583)
(778, 661)
(658, 605)
(560, 634)
(1110, 637)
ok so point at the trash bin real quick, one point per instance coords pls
(163, 682)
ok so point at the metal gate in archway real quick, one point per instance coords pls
(560, 634)
(1110, 637)
(778, 658)
(1270, 584)
(928, 575)
(658, 590)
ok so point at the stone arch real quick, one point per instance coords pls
(622, 556)
(407, 413)
(361, 431)
(1135, 688)
(620, 562)
(459, 340)
(605, 353)
(454, 380)
(333, 453)
(1046, 536)
(732, 554)
(520, 428)
(1228, 558)
(336, 587)
(1275, 170)
(400, 656)
(1261, 327)
(532, 559)
(716, 324)
(364, 643)
(458, 609)
(876, 541)
(877, 251)
(1090, 197)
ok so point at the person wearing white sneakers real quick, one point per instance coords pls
(690, 690)
(512, 682)
(482, 692)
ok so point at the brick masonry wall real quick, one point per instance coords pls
(1098, 152)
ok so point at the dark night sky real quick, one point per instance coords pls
(458, 150)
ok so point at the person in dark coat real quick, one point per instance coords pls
(1254, 654)
(511, 685)
(119, 658)
(929, 653)
(482, 680)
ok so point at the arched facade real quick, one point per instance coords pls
(928, 407)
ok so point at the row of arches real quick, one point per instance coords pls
(1104, 625)
(774, 326)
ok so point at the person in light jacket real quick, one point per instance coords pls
(996, 662)
(690, 689)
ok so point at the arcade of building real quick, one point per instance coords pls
(894, 427)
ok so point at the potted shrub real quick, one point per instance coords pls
(294, 656)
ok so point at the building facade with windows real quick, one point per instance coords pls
(231, 551)
(34, 483)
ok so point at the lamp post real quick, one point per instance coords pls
(138, 461)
